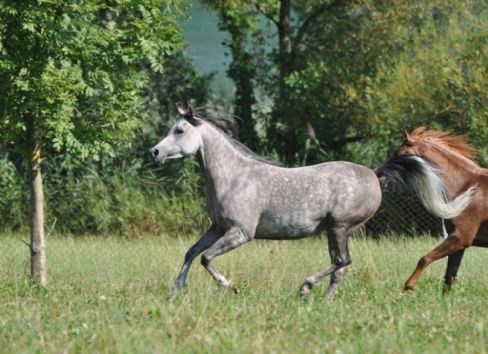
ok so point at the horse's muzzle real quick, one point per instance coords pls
(154, 152)
(157, 156)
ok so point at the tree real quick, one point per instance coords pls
(439, 78)
(71, 81)
(343, 75)
(240, 21)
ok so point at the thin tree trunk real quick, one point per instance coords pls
(242, 72)
(285, 47)
(37, 243)
(284, 109)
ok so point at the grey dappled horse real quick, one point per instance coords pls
(250, 197)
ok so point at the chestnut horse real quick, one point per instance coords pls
(451, 185)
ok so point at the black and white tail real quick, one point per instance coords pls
(426, 181)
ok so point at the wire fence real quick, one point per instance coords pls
(402, 212)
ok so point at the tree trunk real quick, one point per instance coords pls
(242, 72)
(285, 112)
(37, 243)
(285, 47)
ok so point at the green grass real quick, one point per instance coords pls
(111, 295)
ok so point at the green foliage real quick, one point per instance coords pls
(131, 198)
(73, 67)
(439, 79)
(78, 82)
(360, 72)
(239, 19)
(100, 81)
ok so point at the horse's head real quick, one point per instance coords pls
(436, 146)
(184, 138)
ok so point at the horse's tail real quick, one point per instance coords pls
(426, 181)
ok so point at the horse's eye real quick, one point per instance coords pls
(178, 131)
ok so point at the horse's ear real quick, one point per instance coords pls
(181, 111)
(189, 115)
(190, 111)
(405, 133)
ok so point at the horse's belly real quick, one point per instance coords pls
(270, 227)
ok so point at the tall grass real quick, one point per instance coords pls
(112, 294)
(124, 197)
(13, 195)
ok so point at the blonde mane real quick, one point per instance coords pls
(456, 144)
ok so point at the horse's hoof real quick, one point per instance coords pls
(305, 289)
(175, 292)
(329, 295)
(407, 290)
(446, 289)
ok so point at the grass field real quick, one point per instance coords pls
(111, 295)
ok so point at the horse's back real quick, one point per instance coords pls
(355, 188)
(301, 199)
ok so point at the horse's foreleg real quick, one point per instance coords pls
(453, 262)
(207, 240)
(449, 246)
(231, 240)
(339, 255)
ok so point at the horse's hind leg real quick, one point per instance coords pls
(448, 246)
(207, 240)
(339, 255)
(453, 262)
(335, 280)
(231, 240)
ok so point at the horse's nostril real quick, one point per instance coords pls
(155, 152)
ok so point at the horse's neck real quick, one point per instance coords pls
(219, 159)
(456, 171)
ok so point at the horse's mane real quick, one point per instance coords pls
(229, 128)
(225, 123)
(456, 144)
